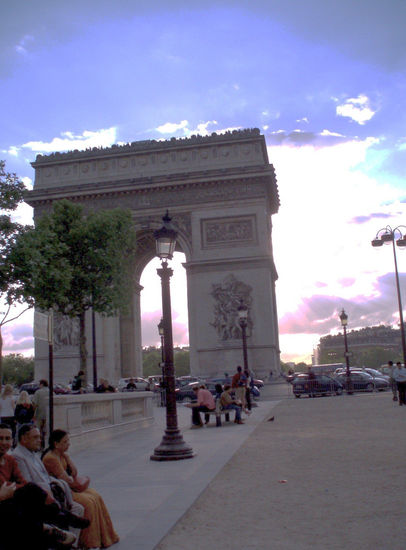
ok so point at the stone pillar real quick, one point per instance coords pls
(130, 337)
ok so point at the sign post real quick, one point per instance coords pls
(43, 330)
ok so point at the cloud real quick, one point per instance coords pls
(369, 217)
(70, 141)
(172, 127)
(21, 47)
(357, 109)
(201, 129)
(18, 338)
(318, 314)
(298, 138)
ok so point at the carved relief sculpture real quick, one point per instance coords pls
(66, 331)
(227, 296)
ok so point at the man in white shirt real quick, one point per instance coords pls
(33, 469)
(399, 374)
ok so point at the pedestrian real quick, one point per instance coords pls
(7, 406)
(248, 387)
(41, 402)
(205, 403)
(393, 384)
(239, 384)
(78, 384)
(24, 411)
(399, 374)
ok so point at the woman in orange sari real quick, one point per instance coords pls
(100, 533)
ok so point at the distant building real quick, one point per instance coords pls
(370, 346)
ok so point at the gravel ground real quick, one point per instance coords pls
(327, 473)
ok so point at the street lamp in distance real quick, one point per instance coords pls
(344, 322)
(243, 320)
(172, 446)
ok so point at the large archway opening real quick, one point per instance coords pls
(151, 310)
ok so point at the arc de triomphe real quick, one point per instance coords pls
(221, 193)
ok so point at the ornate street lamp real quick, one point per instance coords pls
(344, 322)
(387, 235)
(243, 320)
(172, 446)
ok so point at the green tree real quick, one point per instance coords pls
(181, 361)
(71, 262)
(17, 369)
(11, 195)
(151, 359)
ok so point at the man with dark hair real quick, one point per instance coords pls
(24, 505)
(33, 470)
(228, 402)
(205, 403)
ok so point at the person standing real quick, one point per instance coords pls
(238, 384)
(79, 382)
(394, 386)
(7, 406)
(24, 411)
(249, 384)
(40, 402)
(399, 374)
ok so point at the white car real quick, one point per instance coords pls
(140, 383)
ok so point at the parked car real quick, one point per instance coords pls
(141, 383)
(321, 384)
(29, 387)
(60, 389)
(154, 382)
(362, 381)
(185, 380)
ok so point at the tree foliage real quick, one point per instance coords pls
(151, 359)
(11, 195)
(17, 369)
(72, 262)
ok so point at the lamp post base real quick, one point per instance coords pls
(172, 447)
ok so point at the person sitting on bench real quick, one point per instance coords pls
(205, 402)
(228, 402)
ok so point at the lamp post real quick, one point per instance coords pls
(387, 235)
(344, 322)
(162, 364)
(172, 446)
(243, 320)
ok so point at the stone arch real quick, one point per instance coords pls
(221, 193)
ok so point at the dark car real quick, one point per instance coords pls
(29, 387)
(362, 381)
(320, 384)
(187, 394)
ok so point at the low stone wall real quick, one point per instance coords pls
(94, 417)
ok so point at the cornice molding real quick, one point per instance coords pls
(149, 193)
(149, 146)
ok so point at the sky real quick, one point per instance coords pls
(324, 81)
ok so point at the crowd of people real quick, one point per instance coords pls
(235, 396)
(44, 493)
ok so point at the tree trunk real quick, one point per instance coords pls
(82, 344)
(1, 360)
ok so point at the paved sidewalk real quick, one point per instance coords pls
(328, 474)
(146, 498)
